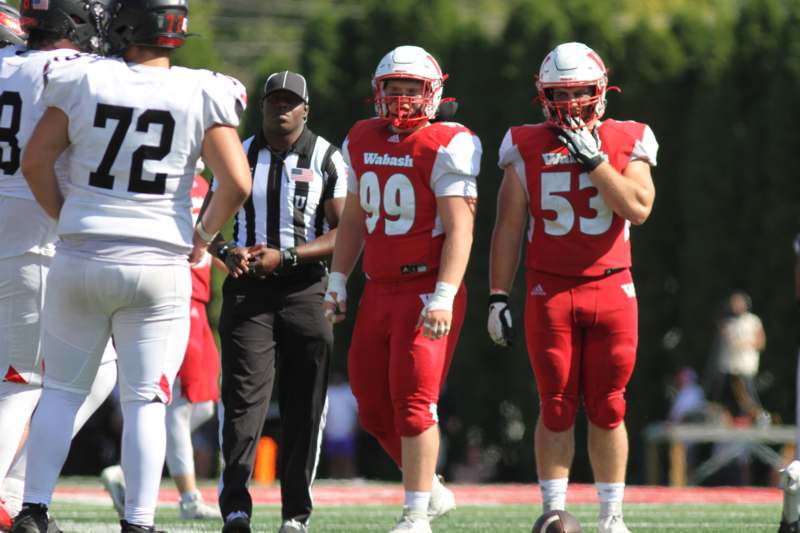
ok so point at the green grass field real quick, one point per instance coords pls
(93, 518)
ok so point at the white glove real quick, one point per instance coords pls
(583, 144)
(441, 300)
(499, 324)
(336, 294)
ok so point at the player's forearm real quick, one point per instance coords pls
(626, 197)
(44, 186)
(455, 255)
(223, 152)
(504, 256)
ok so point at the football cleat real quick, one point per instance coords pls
(786, 527)
(293, 526)
(114, 482)
(31, 519)
(442, 500)
(237, 522)
(52, 525)
(197, 509)
(412, 522)
(612, 524)
(127, 527)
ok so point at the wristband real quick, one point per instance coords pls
(443, 297)
(498, 297)
(289, 258)
(204, 235)
(222, 251)
(337, 282)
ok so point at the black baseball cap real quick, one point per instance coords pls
(287, 81)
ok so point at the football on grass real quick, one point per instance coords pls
(556, 522)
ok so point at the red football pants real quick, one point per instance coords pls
(581, 335)
(396, 374)
(199, 372)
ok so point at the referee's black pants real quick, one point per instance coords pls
(267, 326)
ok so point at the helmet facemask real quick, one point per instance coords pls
(408, 111)
(589, 108)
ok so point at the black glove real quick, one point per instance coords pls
(499, 324)
(583, 144)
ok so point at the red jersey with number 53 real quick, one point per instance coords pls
(572, 231)
(397, 179)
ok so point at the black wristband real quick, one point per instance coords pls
(592, 163)
(222, 251)
(289, 259)
(498, 298)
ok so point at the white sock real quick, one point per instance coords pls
(17, 402)
(417, 500)
(554, 493)
(51, 431)
(190, 496)
(791, 503)
(143, 443)
(610, 496)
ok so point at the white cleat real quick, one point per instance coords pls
(412, 522)
(293, 526)
(442, 501)
(612, 524)
(197, 509)
(114, 482)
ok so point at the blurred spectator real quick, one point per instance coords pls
(689, 399)
(340, 429)
(740, 339)
(480, 465)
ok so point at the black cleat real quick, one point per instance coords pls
(31, 519)
(126, 527)
(238, 523)
(786, 527)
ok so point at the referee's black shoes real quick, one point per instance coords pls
(237, 522)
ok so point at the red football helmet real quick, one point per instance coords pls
(571, 66)
(410, 63)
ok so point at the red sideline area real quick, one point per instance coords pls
(354, 493)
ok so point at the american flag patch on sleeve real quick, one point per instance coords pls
(302, 174)
(40, 4)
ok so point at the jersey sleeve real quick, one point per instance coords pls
(646, 148)
(62, 73)
(352, 181)
(457, 166)
(509, 156)
(224, 101)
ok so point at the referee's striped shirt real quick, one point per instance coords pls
(285, 207)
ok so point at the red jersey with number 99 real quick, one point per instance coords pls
(572, 231)
(397, 179)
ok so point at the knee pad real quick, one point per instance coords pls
(606, 412)
(412, 417)
(558, 411)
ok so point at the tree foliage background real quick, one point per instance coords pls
(717, 80)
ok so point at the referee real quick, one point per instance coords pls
(272, 318)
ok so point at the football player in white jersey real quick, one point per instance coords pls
(134, 127)
(57, 30)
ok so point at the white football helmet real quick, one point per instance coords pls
(568, 66)
(414, 63)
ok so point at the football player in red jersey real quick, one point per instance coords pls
(582, 182)
(410, 206)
